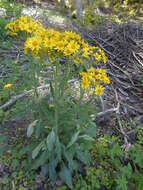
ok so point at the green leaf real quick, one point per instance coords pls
(40, 160)
(127, 171)
(44, 170)
(83, 157)
(70, 160)
(65, 175)
(36, 151)
(74, 139)
(31, 128)
(4, 149)
(3, 138)
(52, 169)
(15, 163)
(51, 140)
(91, 130)
(121, 183)
(58, 149)
(116, 151)
(24, 151)
(86, 137)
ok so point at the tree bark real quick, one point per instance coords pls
(63, 3)
(79, 9)
(90, 3)
(111, 4)
(139, 7)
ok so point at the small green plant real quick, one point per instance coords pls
(111, 168)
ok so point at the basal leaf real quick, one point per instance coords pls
(52, 170)
(66, 176)
(40, 160)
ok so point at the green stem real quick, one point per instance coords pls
(65, 80)
(34, 77)
(56, 98)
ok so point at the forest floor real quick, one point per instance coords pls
(123, 45)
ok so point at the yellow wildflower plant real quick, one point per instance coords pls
(67, 55)
(54, 44)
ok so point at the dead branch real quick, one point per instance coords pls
(14, 99)
(123, 46)
(126, 145)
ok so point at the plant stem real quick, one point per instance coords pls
(34, 77)
(56, 98)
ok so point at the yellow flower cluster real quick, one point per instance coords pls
(22, 24)
(48, 42)
(95, 78)
(8, 86)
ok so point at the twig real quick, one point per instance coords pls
(14, 99)
(127, 145)
(108, 111)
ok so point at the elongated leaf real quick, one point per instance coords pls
(83, 157)
(66, 176)
(31, 128)
(44, 170)
(90, 130)
(37, 150)
(70, 160)
(51, 140)
(86, 137)
(52, 170)
(40, 160)
(58, 149)
(74, 139)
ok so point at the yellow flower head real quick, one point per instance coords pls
(85, 80)
(8, 86)
(99, 90)
(33, 44)
(68, 51)
(97, 57)
(73, 46)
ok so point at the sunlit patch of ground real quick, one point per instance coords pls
(48, 16)
(2, 12)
